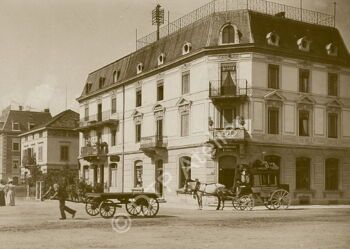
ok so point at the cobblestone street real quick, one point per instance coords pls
(36, 225)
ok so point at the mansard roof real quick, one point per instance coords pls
(23, 118)
(203, 35)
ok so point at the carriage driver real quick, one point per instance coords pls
(243, 181)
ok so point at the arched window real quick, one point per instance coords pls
(302, 173)
(228, 35)
(138, 174)
(332, 174)
(184, 170)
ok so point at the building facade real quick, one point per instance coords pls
(229, 88)
(52, 146)
(12, 123)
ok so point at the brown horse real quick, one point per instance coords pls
(199, 189)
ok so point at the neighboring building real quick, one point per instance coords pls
(12, 123)
(52, 146)
(228, 88)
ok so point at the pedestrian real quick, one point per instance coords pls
(61, 195)
(2, 193)
(10, 193)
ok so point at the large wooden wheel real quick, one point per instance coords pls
(280, 199)
(133, 208)
(92, 206)
(107, 209)
(235, 203)
(246, 202)
(151, 207)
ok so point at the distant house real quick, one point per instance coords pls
(12, 123)
(52, 146)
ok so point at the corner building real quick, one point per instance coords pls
(233, 85)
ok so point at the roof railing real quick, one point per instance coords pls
(262, 6)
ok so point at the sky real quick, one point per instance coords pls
(48, 47)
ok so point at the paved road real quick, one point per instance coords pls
(35, 225)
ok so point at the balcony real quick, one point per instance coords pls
(28, 160)
(104, 119)
(223, 93)
(153, 145)
(228, 136)
(94, 152)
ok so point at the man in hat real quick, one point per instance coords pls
(61, 195)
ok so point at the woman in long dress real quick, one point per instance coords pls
(2, 193)
(10, 194)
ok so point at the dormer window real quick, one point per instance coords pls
(304, 44)
(332, 49)
(88, 87)
(161, 59)
(101, 82)
(31, 125)
(186, 48)
(116, 75)
(15, 126)
(273, 39)
(228, 34)
(139, 68)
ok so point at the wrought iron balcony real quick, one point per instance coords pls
(237, 91)
(94, 152)
(28, 160)
(98, 121)
(228, 135)
(153, 144)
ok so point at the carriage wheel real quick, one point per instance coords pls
(280, 199)
(132, 208)
(107, 209)
(92, 207)
(151, 208)
(268, 205)
(246, 202)
(235, 203)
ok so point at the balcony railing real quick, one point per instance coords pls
(222, 134)
(98, 121)
(153, 142)
(238, 88)
(216, 6)
(28, 160)
(93, 151)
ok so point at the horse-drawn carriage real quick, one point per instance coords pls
(260, 183)
(135, 203)
(263, 186)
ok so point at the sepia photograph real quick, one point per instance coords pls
(167, 124)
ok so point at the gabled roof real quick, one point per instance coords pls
(23, 118)
(68, 120)
(204, 34)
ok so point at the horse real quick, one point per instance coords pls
(199, 189)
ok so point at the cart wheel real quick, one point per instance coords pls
(92, 207)
(151, 208)
(280, 199)
(132, 208)
(235, 203)
(107, 209)
(246, 202)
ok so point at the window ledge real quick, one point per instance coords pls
(332, 192)
(307, 192)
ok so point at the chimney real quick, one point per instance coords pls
(47, 110)
(20, 108)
